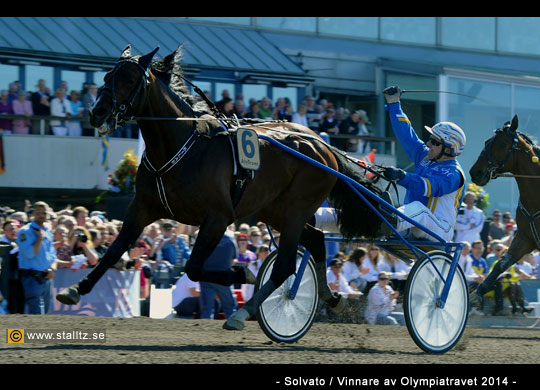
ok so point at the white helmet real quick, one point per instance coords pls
(451, 135)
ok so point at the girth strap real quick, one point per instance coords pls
(531, 218)
(158, 173)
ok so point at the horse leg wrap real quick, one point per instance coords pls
(237, 320)
(335, 301)
(325, 294)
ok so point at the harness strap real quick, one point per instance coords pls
(240, 175)
(531, 218)
(158, 173)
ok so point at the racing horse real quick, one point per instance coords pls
(188, 174)
(510, 150)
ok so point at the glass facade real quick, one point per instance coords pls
(254, 91)
(519, 35)
(411, 30)
(8, 74)
(74, 80)
(468, 32)
(33, 73)
(308, 24)
(361, 27)
(500, 100)
(290, 93)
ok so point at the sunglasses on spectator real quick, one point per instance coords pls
(383, 278)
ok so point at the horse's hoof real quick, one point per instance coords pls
(237, 320)
(340, 305)
(69, 296)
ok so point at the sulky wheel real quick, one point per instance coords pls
(281, 318)
(434, 329)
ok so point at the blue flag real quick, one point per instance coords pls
(105, 145)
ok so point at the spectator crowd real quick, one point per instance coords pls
(368, 277)
(63, 102)
(74, 104)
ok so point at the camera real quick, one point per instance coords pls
(81, 237)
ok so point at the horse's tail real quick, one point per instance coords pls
(355, 217)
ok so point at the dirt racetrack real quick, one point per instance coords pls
(145, 340)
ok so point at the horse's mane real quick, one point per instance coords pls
(169, 71)
(528, 140)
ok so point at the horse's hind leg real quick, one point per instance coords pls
(313, 240)
(284, 266)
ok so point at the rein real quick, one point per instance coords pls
(512, 175)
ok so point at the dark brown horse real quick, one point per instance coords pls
(512, 151)
(188, 175)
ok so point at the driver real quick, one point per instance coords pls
(436, 188)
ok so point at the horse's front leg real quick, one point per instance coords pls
(210, 234)
(136, 219)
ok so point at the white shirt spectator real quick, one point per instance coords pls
(401, 269)
(379, 302)
(182, 289)
(344, 288)
(469, 224)
(60, 107)
(301, 119)
(525, 267)
(373, 273)
(350, 271)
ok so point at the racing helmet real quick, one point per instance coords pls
(451, 135)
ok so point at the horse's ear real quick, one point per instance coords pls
(126, 53)
(514, 124)
(174, 57)
(145, 60)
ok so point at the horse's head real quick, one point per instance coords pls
(123, 93)
(496, 156)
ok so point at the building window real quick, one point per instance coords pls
(74, 80)
(98, 78)
(420, 30)
(220, 87)
(244, 20)
(478, 119)
(519, 35)
(254, 91)
(204, 86)
(366, 27)
(308, 24)
(468, 32)
(8, 74)
(33, 73)
(291, 93)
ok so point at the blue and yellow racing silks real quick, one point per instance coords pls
(439, 185)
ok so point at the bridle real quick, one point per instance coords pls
(119, 110)
(496, 168)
